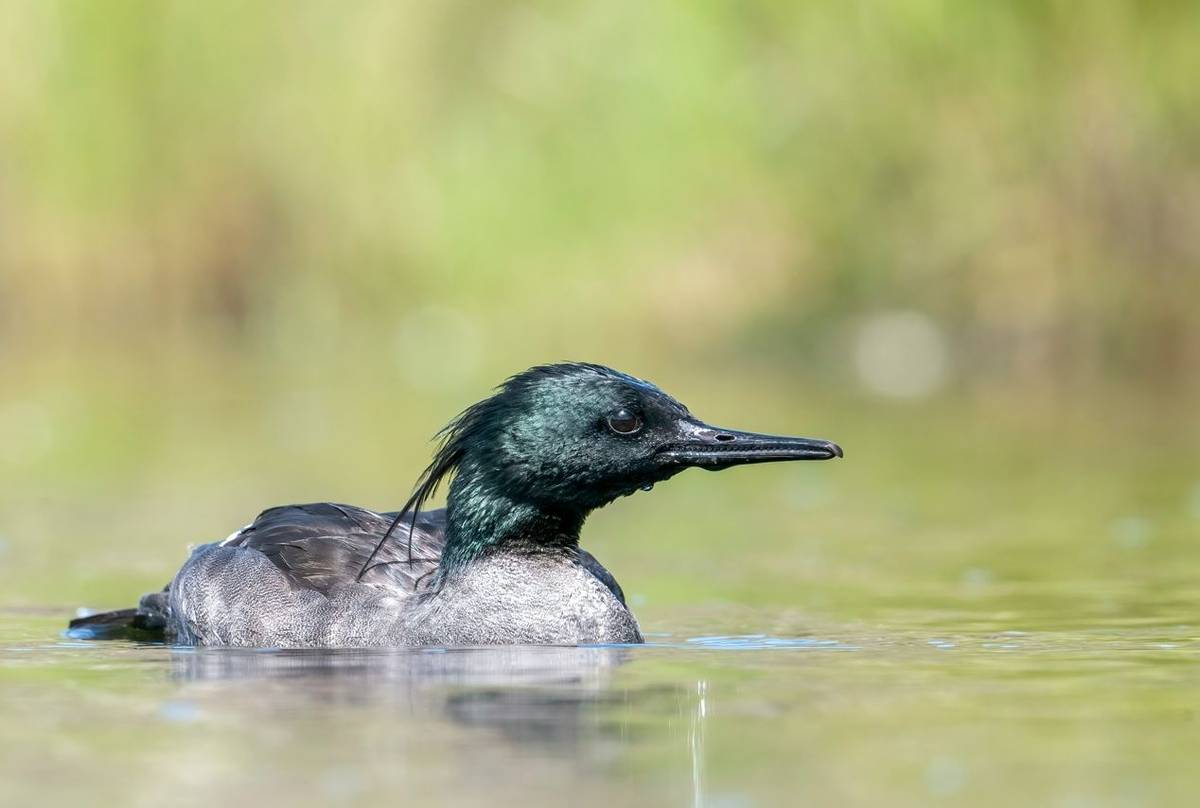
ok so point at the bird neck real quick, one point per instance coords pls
(481, 520)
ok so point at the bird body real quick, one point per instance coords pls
(500, 565)
(290, 580)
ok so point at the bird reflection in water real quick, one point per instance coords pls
(553, 702)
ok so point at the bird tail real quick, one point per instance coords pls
(146, 622)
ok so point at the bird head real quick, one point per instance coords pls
(575, 436)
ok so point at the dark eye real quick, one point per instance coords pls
(623, 422)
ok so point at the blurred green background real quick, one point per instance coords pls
(258, 253)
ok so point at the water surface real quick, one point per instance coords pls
(986, 605)
(914, 709)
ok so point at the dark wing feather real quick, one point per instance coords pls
(589, 563)
(324, 545)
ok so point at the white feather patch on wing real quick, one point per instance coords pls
(233, 535)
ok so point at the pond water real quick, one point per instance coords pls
(991, 605)
(912, 710)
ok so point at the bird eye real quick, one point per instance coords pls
(623, 422)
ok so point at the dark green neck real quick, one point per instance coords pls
(481, 519)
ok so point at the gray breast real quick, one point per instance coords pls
(538, 599)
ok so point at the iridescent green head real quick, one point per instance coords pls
(576, 436)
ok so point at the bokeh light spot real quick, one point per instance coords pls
(901, 354)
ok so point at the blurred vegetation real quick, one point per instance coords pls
(290, 180)
(258, 252)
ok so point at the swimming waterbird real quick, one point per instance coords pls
(501, 564)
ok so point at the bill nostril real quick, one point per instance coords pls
(725, 438)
